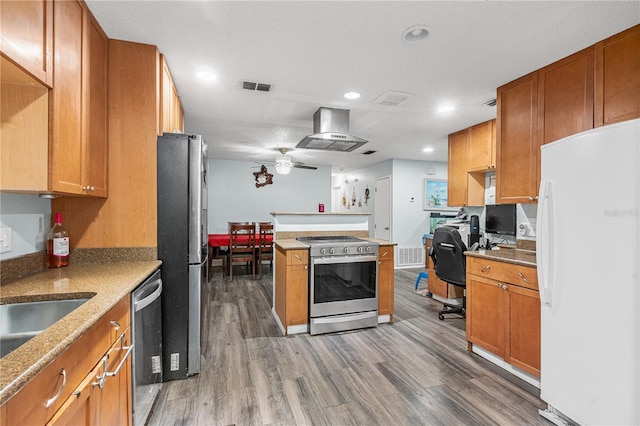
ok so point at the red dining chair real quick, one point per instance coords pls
(264, 249)
(241, 246)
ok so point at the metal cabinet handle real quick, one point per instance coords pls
(486, 269)
(103, 377)
(385, 253)
(297, 257)
(52, 400)
(124, 358)
(116, 324)
(523, 277)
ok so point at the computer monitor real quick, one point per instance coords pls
(500, 219)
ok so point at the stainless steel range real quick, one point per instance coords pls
(343, 283)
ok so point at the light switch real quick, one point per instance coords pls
(5, 240)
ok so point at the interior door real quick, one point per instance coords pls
(382, 209)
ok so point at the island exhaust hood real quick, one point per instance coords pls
(331, 132)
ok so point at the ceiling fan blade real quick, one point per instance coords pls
(304, 166)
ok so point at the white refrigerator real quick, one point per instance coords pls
(587, 248)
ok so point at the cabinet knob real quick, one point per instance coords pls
(530, 198)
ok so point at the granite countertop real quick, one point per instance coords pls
(292, 244)
(105, 283)
(508, 255)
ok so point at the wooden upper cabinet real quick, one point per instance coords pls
(26, 37)
(172, 114)
(517, 144)
(617, 78)
(95, 157)
(78, 105)
(458, 167)
(565, 97)
(482, 147)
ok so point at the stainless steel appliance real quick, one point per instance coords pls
(182, 247)
(343, 283)
(146, 325)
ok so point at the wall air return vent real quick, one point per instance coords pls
(258, 87)
(392, 98)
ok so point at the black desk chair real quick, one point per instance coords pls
(450, 264)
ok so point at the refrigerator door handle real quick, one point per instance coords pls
(545, 243)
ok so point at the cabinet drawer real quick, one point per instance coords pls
(522, 276)
(385, 253)
(28, 405)
(297, 257)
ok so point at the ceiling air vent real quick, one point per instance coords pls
(491, 102)
(369, 152)
(392, 98)
(260, 87)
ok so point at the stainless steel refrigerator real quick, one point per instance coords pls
(182, 247)
(588, 228)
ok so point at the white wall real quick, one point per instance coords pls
(29, 218)
(233, 196)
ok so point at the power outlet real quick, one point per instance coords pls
(5, 240)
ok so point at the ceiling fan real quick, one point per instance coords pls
(284, 164)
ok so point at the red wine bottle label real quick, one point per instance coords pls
(61, 246)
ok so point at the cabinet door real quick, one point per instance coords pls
(385, 281)
(618, 78)
(65, 149)
(486, 315)
(114, 405)
(565, 97)
(436, 285)
(27, 36)
(95, 156)
(297, 297)
(482, 147)
(516, 141)
(457, 170)
(523, 350)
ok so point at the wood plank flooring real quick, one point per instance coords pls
(415, 371)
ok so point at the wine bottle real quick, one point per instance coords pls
(57, 244)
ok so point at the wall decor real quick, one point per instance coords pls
(263, 177)
(435, 194)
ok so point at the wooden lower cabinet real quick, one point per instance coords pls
(99, 399)
(69, 381)
(385, 281)
(503, 317)
(292, 287)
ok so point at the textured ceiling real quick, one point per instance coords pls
(313, 52)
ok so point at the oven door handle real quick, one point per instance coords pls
(343, 259)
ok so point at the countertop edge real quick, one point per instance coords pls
(23, 364)
(493, 255)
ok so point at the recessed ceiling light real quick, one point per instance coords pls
(352, 95)
(416, 34)
(206, 75)
(428, 149)
(446, 108)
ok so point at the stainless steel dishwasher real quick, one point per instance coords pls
(146, 325)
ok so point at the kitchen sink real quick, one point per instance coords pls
(20, 322)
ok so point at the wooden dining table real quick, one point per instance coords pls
(217, 241)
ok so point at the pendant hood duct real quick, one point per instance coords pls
(331, 132)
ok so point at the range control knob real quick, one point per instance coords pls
(346, 249)
(368, 249)
(359, 249)
(323, 251)
(331, 250)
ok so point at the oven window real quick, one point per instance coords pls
(344, 281)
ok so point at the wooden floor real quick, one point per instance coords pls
(415, 371)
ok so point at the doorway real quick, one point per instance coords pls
(382, 209)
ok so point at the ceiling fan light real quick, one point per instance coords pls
(283, 168)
